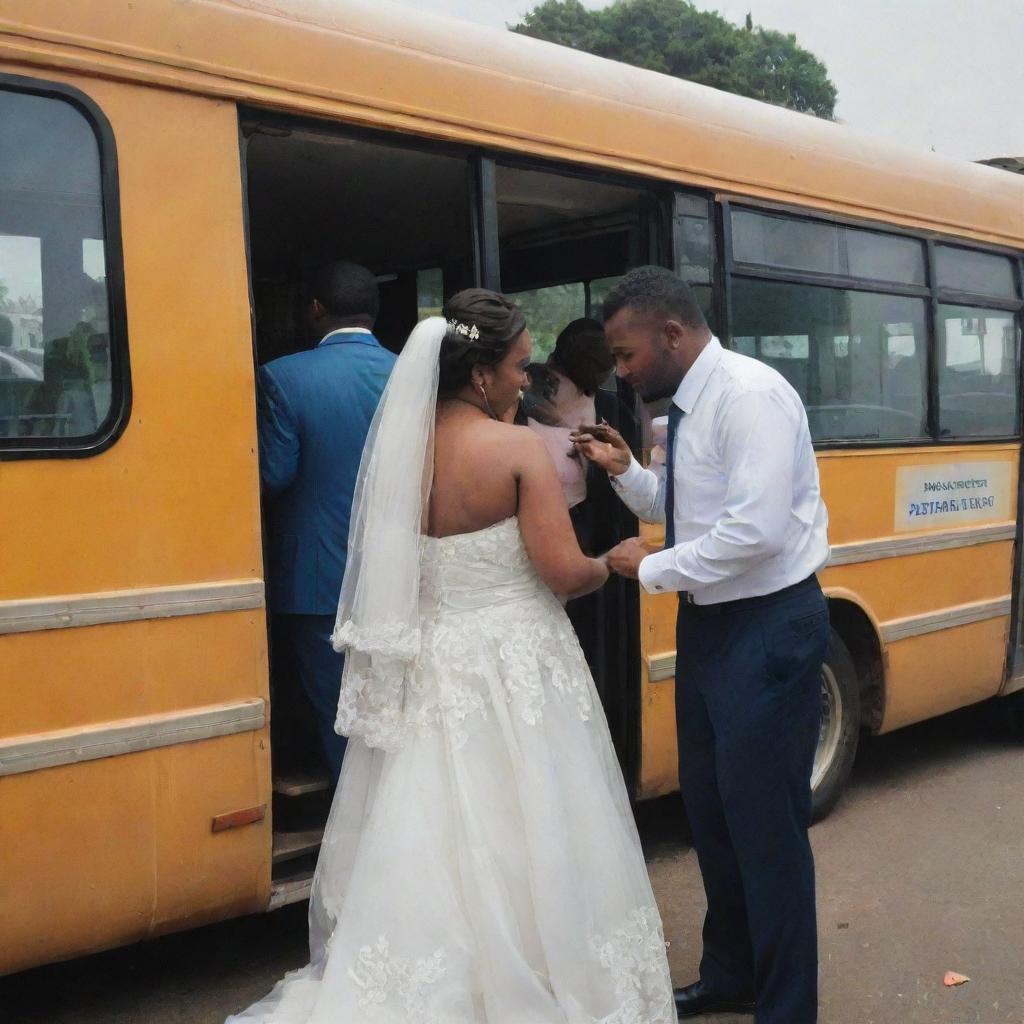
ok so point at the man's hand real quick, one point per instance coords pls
(604, 446)
(624, 559)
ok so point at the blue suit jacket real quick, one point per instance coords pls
(314, 411)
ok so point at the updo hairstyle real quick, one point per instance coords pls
(498, 322)
(582, 354)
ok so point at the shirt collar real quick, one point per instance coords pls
(697, 376)
(343, 334)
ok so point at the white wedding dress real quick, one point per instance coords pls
(486, 869)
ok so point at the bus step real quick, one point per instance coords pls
(289, 845)
(301, 785)
(294, 889)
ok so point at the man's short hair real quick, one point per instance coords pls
(346, 290)
(655, 290)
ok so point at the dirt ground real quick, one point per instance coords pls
(920, 871)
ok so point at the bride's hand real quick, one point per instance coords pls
(604, 446)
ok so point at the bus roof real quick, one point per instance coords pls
(378, 64)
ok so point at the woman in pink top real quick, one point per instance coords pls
(575, 386)
(566, 386)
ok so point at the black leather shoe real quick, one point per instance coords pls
(697, 998)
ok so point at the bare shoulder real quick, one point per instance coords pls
(488, 449)
(528, 453)
(509, 433)
(515, 442)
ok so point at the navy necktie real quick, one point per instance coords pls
(675, 414)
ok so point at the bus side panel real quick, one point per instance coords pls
(931, 664)
(860, 487)
(118, 848)
(77, 678)
(896, 589)
(945, 670)
(659, 765)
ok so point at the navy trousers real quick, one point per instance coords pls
(748, 704)
(319, 669)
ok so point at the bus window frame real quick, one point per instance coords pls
(21, 448)
(660, 248)
(717, 260)
(484, 220)
(1015, 263)
(930, 292)
(482, 194)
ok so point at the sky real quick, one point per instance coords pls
(946, 75)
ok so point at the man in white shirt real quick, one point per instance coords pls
(745, 533)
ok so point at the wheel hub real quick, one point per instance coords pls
(831, 726)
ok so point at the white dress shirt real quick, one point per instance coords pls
(344, 330)
(749, 518)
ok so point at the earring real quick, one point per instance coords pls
(487, 403)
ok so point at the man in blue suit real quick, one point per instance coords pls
(314, 412)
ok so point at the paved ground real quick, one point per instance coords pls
(920, 871)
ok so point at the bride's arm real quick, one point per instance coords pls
(546, 528)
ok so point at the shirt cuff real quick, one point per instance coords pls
(629, 477)
(658, 574)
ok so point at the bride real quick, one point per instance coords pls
(480, 864)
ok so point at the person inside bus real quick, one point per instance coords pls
(570, 382)
(63, 404)
(314, 410)
(746, 531)
(566, 392)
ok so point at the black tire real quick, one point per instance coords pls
(840, 727)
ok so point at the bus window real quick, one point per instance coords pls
(548, 310)
(564, 242)
(429, 292)
(982, 273)
(978, 372)
(819, 247)
(857, 359)
(599, 291)
(56, 362)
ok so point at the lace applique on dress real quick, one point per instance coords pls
(635, 955)
(489, 627)
(379, 976)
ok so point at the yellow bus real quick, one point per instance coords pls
(169, 173)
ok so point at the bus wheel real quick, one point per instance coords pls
(840, 727)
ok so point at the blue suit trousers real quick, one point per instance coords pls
(319, 669)
(748, 705)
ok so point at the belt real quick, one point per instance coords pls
(724, 607)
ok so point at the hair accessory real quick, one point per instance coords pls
(470, 331)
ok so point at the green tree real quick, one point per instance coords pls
(673, 37)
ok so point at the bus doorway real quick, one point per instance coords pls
(316, 196)
(423, 220)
